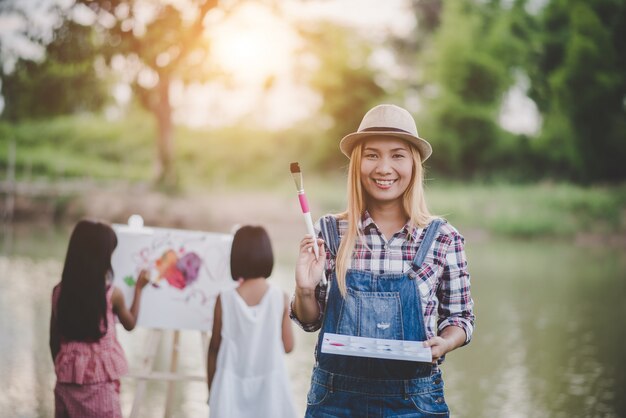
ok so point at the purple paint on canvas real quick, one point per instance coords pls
(189, 265)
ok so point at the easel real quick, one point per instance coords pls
(147, 373)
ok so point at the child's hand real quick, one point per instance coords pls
(143, 279)
(309, 270)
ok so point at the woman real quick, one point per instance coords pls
(394, 271)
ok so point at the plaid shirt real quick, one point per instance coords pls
(444, 282)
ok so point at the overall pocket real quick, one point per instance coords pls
(432, 402)
(372, 314)
(317, 394)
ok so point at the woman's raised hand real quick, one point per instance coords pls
(308, 269)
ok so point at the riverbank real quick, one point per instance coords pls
(588, 216)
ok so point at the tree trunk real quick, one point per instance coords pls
(166, 171)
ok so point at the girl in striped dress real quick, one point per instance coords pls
(88, 359)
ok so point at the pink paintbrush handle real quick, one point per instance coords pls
(304, 204)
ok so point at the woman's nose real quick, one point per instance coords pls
(383, 166)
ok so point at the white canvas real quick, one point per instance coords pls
(188, 269)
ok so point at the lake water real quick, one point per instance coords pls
(550, 338)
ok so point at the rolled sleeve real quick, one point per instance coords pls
(320, 296)
(456, 306)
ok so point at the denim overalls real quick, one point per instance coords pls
(381, 306)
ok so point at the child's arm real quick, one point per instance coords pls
(128, 318)
(55, 344)
(287, 330)
(55, 341)
(216, 341)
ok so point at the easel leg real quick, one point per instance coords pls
(204, 340)
(152, 346)
(173, 369)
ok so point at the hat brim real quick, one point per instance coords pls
(349, 141)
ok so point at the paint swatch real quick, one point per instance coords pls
(349, 345)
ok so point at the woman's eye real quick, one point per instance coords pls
(398, 156)
(370, 156)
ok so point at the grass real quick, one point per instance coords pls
(88, 146)
(533, 210)
(91, 147)
(524, 211)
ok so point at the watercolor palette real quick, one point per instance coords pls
(349, 345)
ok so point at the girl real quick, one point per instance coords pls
(247, 375)
(88, 359)
(394, 271)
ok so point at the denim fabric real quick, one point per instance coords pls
(343, 396)
(380, 306)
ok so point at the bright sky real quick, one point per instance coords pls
(254, 43)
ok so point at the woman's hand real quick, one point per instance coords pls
(439, 346)
(142, 280)
(308, 269)
(449, 339)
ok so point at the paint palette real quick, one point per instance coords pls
(349, 345)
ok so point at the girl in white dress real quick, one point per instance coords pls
(247, 375)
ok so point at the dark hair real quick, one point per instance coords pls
(251, 254)
(82, 303)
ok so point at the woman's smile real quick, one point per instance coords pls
(384, 184)
(386, 169)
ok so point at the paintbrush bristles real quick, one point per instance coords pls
(297, 176)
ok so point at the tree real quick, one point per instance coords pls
(65, 82)
(346, 84)
(468, 71)
(578, 75)
(159, 44)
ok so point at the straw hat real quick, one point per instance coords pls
(387, 120)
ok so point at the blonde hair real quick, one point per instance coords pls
(414, 204)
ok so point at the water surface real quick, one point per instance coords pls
(549, 340)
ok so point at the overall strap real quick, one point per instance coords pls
(330, 233)
(427, 241)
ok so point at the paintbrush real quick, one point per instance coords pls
(304, 205)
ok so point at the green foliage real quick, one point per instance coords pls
(169, 46)
(91, 147)
(345, 82)
(462, 59)
(469, 69)
(532, 210)
(64, 83)
(578, 79)
(88, 146)
(80, 146)
(573, 54)
(557, 210)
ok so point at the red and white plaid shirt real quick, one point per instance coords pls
(443, 279)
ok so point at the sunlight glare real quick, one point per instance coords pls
(253, 44)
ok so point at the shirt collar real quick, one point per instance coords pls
(367, 223)
(414, 234)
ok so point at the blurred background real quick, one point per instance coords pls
(189, 112)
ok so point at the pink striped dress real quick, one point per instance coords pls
(88, 373)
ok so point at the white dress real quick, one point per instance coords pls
(251, 376)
